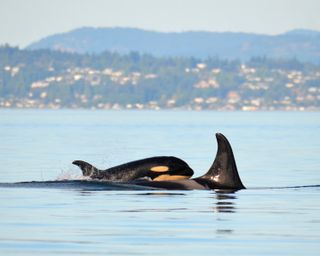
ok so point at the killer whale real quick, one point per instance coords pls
(154, 168)
(223, 173)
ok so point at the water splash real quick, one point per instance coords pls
(70, 175)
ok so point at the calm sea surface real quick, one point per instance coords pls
(273, 151)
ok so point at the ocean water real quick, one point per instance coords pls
(277, 155)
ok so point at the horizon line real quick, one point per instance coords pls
(161, 31)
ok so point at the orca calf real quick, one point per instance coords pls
(154, 168)
(172, 172)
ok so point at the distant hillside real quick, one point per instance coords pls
(303, 45)
(52, 79)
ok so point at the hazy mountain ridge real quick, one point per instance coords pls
(301, 44)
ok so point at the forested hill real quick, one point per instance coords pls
(51, 79)
(303, 45)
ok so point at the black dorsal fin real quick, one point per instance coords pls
(224, 173)
(86, 168)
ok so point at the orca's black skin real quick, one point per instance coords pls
(223, 173)
(153, 168)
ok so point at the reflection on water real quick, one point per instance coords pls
(162, 194)
(224, 231)
(225, 201)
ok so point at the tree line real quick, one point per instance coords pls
(143, 78)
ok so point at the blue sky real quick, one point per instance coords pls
(25, 21)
